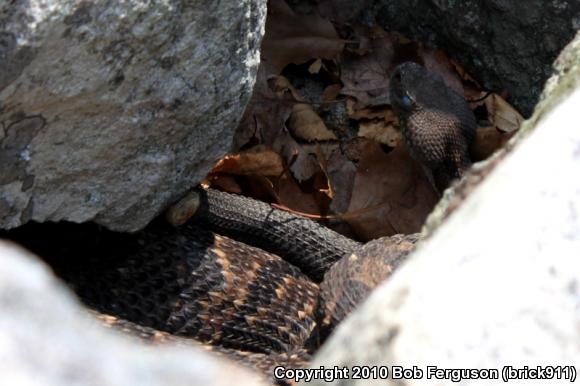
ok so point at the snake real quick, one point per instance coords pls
(254, 283)
(207, 282)
(437, 124)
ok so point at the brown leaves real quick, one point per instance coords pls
(258, 161)
(381, 130)
(487, 141)
(502, 115)
(265, 115)
(319, 136)
(365, 76)
(293, 38)
(390, 194)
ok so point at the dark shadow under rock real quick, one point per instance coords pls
(507, 45)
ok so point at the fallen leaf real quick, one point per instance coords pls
(259, 187)
(294, 38)
(315, 67)
(391, 194)
(317, 154)
(475, 97)
(340, 172)
(354, 149)
(487, 141)
(330, 93)
(256, 161)
(366, 77)
(224, 182)
(305, 124)
(373, 192)
(282, 86)
(284, 191)
(380, 131)
(291, 196)
(303, 121)
(385, 113)
(266, 113)
(302, 163)
(502, 115)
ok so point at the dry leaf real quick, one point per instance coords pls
(282, 86)
(265, 115)
(380, 131)
(502, 115)
(302, 163)
(391, 194)
(293, 38)
(309, 158)
(366, 78)
(373, 192)
(385, 113)
(304, 123)
(340, 172)
(291, 196)
(315, 66)
(257, 161)
(475, 97)
(487, 141)
(330, 93)
(224, 182)
(261, 188)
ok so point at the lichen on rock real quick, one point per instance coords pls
(138, 100)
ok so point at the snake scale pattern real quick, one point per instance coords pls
(438, 126)
(256, 284)
(170, 283)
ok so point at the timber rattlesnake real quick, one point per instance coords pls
(249, 304)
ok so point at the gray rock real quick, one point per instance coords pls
(111, 110)
(47, 339)
(503, 43)
(497, 284)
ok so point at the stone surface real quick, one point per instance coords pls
(504, 44)
(111, 110)
(47, 339)
(497, 283)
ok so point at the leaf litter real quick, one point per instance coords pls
(319, 136)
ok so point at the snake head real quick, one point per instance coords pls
(414, 87)
(403, 86)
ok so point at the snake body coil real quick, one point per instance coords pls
(307, 245)
(250, 305)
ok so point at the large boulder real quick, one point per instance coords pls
(47, 339)
(504, 44)
(497, 283)
(110, 110)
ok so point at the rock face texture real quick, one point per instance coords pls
(497, 283)
(110, 110)
(503, 43)
(48, 340)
